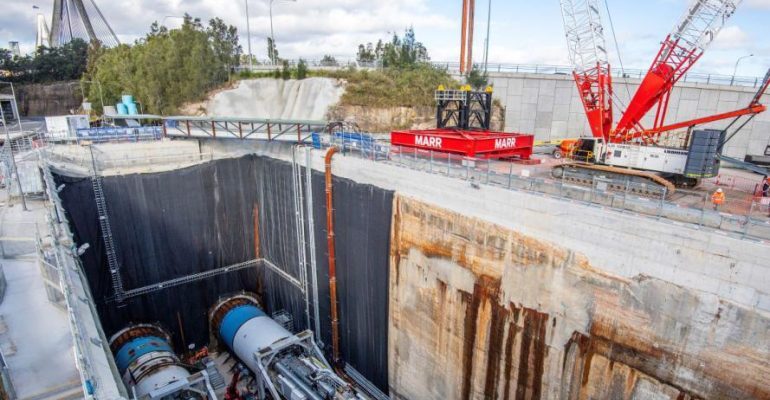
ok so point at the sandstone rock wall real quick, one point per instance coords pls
(49, 99)
(478, 311)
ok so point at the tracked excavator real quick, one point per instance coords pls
(629, 150)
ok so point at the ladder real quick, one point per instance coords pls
(109, 242)
(216, 379)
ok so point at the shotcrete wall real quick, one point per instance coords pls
(172, 224)
(549, 107)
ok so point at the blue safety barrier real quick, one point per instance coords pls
(108, 133)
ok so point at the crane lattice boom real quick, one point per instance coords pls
(679, 51)
(588, 54)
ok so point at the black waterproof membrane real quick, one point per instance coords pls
(173, 224)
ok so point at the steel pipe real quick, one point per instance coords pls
(332, 260)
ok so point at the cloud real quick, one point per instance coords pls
(761, 4)
(731, 37)
(306, 28)
(527, 33)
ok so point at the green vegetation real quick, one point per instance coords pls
(301, 69)
(329, 61)
(477, 78)
(46, 64)
(392, 87)
(167, 67)
(272, 52)
(398, 53)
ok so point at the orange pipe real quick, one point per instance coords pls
(463, 36)
(332, 259)
(471, 18)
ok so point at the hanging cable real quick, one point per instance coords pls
(617, 49)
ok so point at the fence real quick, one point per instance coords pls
(454, 67)
(690, 77)
(6, 385)
(745, 218)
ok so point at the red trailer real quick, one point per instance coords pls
(470, 143)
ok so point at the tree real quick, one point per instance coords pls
(224, 40)
(272, 51)
(66, 62)
(365, 54)
(329, 61)
(397, 53)
(166, 67)
(301, 69)
(477, 78)
(286, 70)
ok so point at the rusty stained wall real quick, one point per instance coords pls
(482, 312)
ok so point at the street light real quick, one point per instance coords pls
(735, 70)
(486, 41)
(272, 35)
(248, 32)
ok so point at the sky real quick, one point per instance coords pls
(521, 32)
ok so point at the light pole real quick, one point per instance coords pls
(248, 32)
(486, 41)
(272, 34)
(735, 70)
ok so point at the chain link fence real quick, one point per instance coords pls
(744, 217)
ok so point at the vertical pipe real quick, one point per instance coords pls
(332, 260)
(463, 32)
(181, 328)
(311, 238)
(471, 17)
(486, 42)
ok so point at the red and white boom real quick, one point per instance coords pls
(679, 51)
(588, 54)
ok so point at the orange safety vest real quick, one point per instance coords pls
(718, 198)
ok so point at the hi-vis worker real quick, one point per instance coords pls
(718, 198)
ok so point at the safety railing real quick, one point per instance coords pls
(106, 163)
(634, 73)
(744, 217)
(454, 67)
(7, 390)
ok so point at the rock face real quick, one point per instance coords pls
(49, 99)
(307, 99)
(479, 311)
(383, 120)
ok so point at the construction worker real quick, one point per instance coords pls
(718, 198)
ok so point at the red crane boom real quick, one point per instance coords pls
(679, 51)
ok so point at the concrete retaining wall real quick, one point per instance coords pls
(549, 107)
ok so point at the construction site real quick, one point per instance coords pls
(607, 238)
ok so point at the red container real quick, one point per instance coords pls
(477, 144)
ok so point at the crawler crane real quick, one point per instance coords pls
(628, 149)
